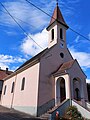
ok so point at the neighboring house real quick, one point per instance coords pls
(49, 78)
(3, 74)
(88, 89)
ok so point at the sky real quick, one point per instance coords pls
(16, 47)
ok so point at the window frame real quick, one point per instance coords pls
(62, 55)
(5, 88)
(61, 33)
(23, 84)
(12, 90)
(52, 34)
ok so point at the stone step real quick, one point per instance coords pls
(45, 116)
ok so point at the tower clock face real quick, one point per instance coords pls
(61, 45)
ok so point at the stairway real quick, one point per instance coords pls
(47, 115)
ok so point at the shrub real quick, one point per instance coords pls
(72, 113)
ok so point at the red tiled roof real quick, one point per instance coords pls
(34, 58)
(67, 65)
(57, 16)
(64, 66)
(4, 74)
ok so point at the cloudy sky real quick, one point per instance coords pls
(16, 47)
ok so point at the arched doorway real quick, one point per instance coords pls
(77, 89)
(60, 90)
(77, 93)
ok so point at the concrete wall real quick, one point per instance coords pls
(61, 109)
(85, 113)
(88, 105)
(45, 107)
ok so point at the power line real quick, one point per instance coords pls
(79, 34)
(19, 19)
(7, 12)
(19, 25)
(55, 19)
(38, 8)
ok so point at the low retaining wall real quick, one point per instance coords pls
(88, 105)
(85, 113)
(61, 109)
(44, 108)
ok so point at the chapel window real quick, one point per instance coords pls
(12, 87)
(62, 55)
(61, 33)
(23, 83)
(52, 34)
(5, 89)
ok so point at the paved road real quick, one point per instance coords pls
(6, 117)
(11, 114)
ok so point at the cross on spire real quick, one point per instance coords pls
(57, 2)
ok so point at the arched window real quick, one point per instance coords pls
(52, 34)
(77, 94)
(5, 89)
(62, 89)
(61, 33)
(12, 87)
(23, 83)
(77, 89)
(62, 55)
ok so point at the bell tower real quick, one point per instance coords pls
(57, 29)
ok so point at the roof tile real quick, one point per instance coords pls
(57, 16)
(4, 74)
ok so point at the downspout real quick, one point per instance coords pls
(13, 92)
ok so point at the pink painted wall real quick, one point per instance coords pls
(28, 96)
(6, 99)
(49, 64)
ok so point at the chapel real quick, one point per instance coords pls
(50, 81)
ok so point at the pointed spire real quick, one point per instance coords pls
(57, 16)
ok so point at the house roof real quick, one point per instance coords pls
(29, 63)
(4, 73)
(37, 57)
(57, 16)
(64, 66)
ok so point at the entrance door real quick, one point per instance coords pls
(62, 90)
(77, 93)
